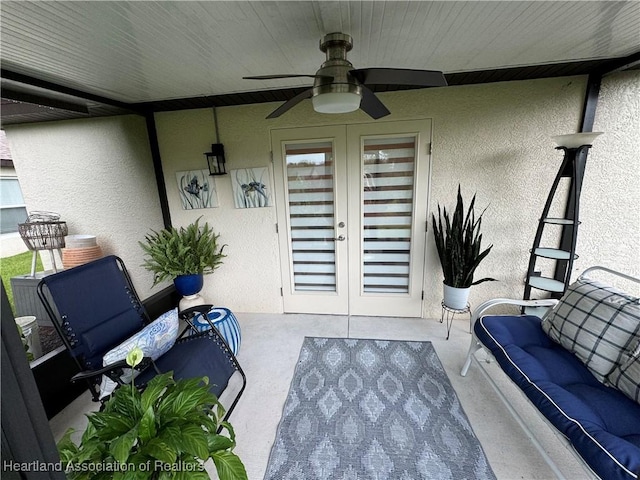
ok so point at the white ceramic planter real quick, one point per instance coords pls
(31, 332)
(456, 298)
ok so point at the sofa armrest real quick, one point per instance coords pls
(489, 304)
(483, 307)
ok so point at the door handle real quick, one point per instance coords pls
(339, 239)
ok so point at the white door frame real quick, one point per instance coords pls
(381, 304)
(349, 297)
(314, 301)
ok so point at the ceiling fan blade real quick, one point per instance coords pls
(399, 76)
(371, 105)
(284, 75)
(291, 103)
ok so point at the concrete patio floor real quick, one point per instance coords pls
(269, 352)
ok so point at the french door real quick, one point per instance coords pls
(352, 204)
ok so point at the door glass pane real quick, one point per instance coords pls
(388, 176)
(311, 212)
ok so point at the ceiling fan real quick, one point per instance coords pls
(339, 88)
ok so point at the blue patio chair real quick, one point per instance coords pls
(95, 308)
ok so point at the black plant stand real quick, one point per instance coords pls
(449, 313)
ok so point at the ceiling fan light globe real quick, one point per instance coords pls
(336, 102)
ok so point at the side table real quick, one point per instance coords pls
(449, 313)
(225, 322)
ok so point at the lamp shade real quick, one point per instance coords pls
(575, 140)
(336, 102)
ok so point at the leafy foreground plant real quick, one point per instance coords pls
(166, 432)
(459, 242)
(172, 252)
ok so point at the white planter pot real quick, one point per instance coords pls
(456, 298)
(31, 332)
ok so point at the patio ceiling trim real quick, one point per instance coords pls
(596, 69)
(39, 88)
(32, 102)
(453, 79)
(54, 87)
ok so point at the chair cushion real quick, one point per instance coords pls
(596, 322)
(626, 376)
(154, 340)
(193, 357)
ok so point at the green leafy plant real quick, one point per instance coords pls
(172, 252)
(166, 431)
(458, 242)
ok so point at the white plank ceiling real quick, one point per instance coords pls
(150, 51)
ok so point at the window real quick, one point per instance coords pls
(12, 208)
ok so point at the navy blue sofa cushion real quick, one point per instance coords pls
(601, 423)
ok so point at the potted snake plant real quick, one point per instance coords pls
(458, 241)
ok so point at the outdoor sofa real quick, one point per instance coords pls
(579, 366)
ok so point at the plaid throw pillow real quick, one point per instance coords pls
(596, 322)
(626, 376)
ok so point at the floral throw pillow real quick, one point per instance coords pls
(154, 340)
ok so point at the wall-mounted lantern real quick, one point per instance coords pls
(215, 159)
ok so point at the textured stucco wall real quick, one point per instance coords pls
(494, 139)
(98, 175)
(249, 279)
(610, 203)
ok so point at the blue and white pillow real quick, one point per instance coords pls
(154, 340)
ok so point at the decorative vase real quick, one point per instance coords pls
(225, 322)
(456, 298)
(189, 286)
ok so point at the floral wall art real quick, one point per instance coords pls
(197, 189)
(251, 187)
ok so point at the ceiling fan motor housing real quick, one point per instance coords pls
(333, 76)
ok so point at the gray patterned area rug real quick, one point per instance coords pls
(373, 410)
